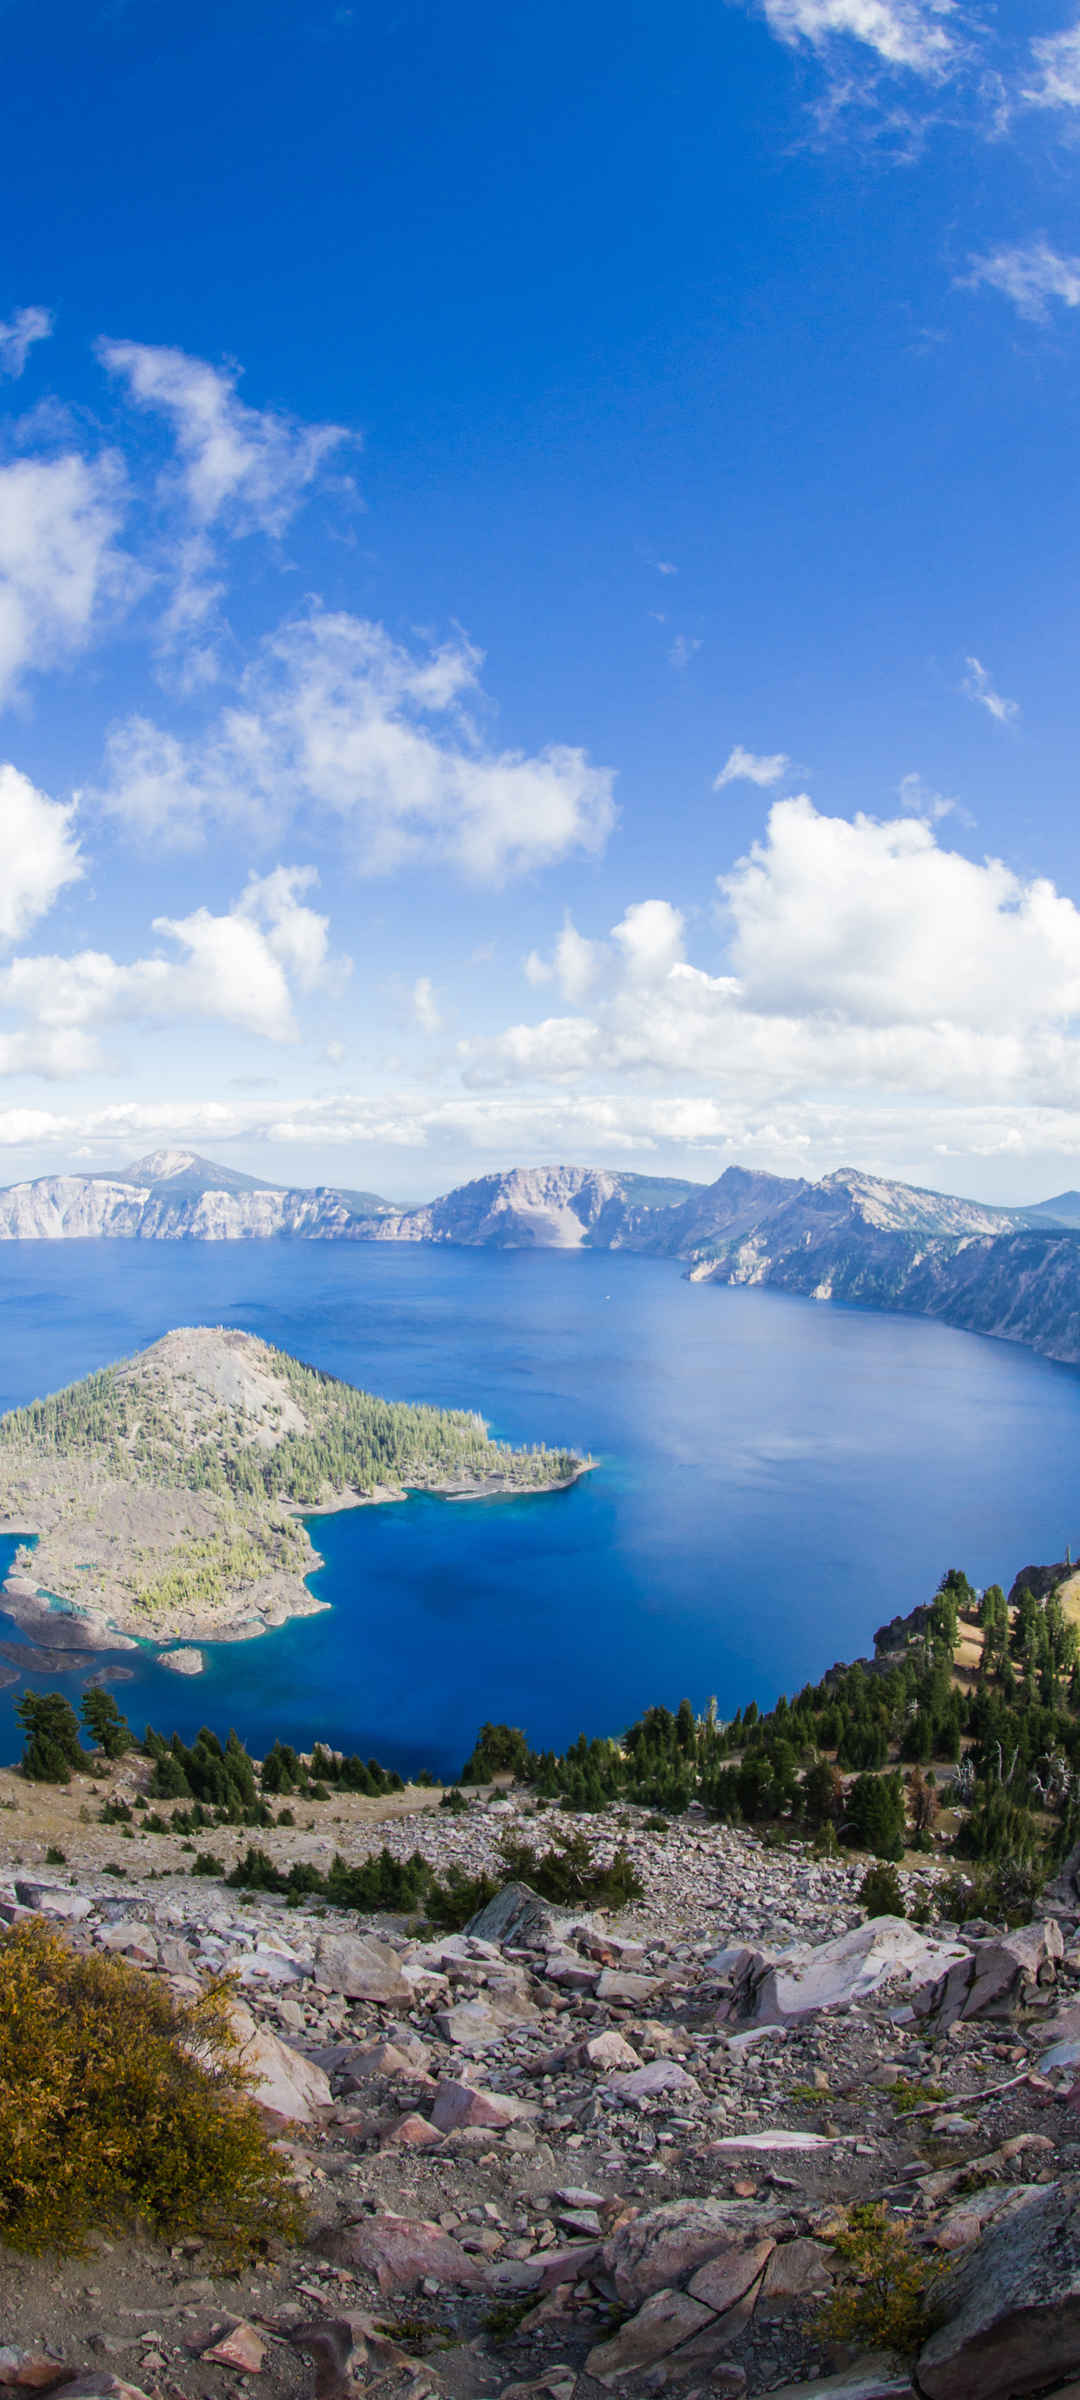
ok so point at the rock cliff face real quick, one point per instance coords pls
(549, 1208)
(1013, 1273)
(173, 1195)
(888, 1246)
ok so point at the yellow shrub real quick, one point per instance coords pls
(121, 2107)
(882, 2303)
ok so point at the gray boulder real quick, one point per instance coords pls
(995, 1978)
(782, 1987)
(880, 2377)
(1011, 2308)
(361, 1968)
(667, 2245)
(517, 1919)
(53, 1900)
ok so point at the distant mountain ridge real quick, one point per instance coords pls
(852, 1237)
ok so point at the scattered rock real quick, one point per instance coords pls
(242, 2347)
(361, 1970)
(785, 1987)
(1011, 2306)
(994, 1978)
(284, 2083)
(30, 2370)
(462, 2104)
(661, 2324)
(403, 2251)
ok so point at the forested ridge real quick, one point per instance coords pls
(125, 1419)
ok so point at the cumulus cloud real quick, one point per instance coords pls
(60, 566)
(874, 979)
(425, 1006)
(806, 1137)
(978, 686)
(17, 338)
(875, 925)
(650, 937)
(41, 853)
(751, 766)
(336, 717)
(901, 33)
(1056, 58)
(1031, 275)
(573, 965)
(247, 464)
(239, 968)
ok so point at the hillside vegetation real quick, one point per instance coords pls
(163, 1488)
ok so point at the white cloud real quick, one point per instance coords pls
(666, 566)
(979, 687)
(59, 564)
(425, 1005)
(875, 925)
(919, 799)
(573, 966)
(248, 465)
(1031, 275)
(1057, 66)
(882, 991)
(41, 853)
(238, 969)
(902, 33)
(682, 650)
(18, 335)
(751, 766)
(650, 937)
(336, 717)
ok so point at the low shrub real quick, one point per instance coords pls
(882, 1893)
(882, 2302)
(121, 2107)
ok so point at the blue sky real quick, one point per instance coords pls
(538, 594)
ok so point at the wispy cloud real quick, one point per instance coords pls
(61, 570)
(751, 766)
(918, 799)
(1031, 275)
(1057, 68)
(335, 719)
(425, 1006)
(250, 464)
(909, 34)
(17, 338)
(977, 686)
(682, 651)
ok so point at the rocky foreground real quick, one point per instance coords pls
(571, 2156)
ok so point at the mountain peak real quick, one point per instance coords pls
(159, 1165)
(183, 1171)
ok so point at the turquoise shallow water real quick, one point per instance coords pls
(776, 1478)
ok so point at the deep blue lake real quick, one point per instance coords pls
(776, 1477)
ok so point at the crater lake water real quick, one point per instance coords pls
(775, 1478)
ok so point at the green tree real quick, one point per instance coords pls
(875, 1815)
(52, 1751)
(108, 1730)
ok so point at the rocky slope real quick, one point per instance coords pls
(555, 2157)
(164, 1491)
(879, 1245)
(852, 1237)
(173, 1195)
(549, 1208)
